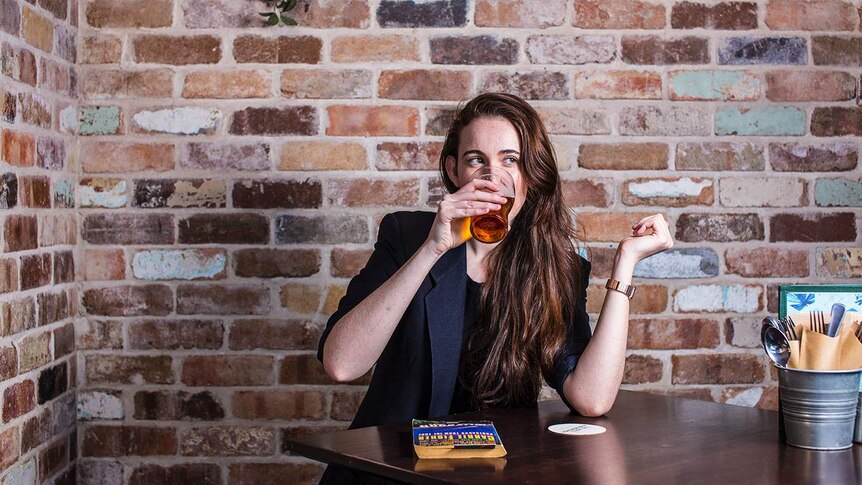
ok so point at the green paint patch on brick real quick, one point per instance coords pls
(714, 85)
(838, 193)
(769, 121)
(99, 120)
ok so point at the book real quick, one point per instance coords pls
(456, 439)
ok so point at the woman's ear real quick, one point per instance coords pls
(451, 170)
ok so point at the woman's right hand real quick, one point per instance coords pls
(452, 225)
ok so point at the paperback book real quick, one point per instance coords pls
(456, 439)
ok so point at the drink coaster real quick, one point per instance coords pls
(576, 429)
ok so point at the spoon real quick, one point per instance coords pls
(837, 316)
(775, 344)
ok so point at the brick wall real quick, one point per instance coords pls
(38, 295)
(231, 177)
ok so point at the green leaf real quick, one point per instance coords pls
(272, 20)
(290, 4)
(264, 14)
(287, 20)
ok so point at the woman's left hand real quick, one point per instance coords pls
(650, 235)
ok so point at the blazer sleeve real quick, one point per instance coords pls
(579, 336)
(383, 263)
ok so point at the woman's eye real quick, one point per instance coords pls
(474, 161)
(510, 160)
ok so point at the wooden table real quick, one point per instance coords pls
(649, 439)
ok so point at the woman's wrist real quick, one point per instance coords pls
(624, 266)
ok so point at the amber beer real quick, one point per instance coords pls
(492, 227)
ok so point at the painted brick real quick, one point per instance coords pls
(8, 190)
(664, 121)
(660, 51)
(679, 263)
(64, 194)
(719, 227)
(326, 84)
(669, 192)
(119, 83)
(278, 404)
(810, 227)
(179, 264)
(20, 233)
(203, 473)
(836, 121)
(121, 441)
(743, 332)
(512, 13)
(618, 14)
(721, 16)
(37, 30)
(810, 86)
(801, 157)
(767, 262)
(226, 85)
(642, 369)
(716, 369)
(159, 193)
(53, 382)
(291, 229)
(322, 155)
(408, 156)
(222, 300)
(177, 50)
(21, 473)
(475, 50)
(837, 51)
(102, 193)
(292, 120)
(100, 120)
(51, 153)
(738, 51)
(216, 156)
(759, 397)
(588, 192)
(537, 85)
(228, 441)
(608, 226)
(134, 13)
(718, 298)
(372, 121)
(672, 334)
(128, 369)
(228, 370)
(425, 84)
(274, 263)
(762, 192)
(124, 301)
(354, 14)
(617, 85)
(128, 229)
(8, 103)
(224, 229)
(838, 193)
(623, 156)
(19, 148)
(713, 85)
(117, 157)
(58, 229)
(373, 193)
(766, 121)
(274, 334)
(103, 264)
(829, 15)
(279, 50)
(374, 48)
(177, 121)
(18, 400)
(839, 262)
(171, 406)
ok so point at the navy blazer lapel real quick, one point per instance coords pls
(444, 310)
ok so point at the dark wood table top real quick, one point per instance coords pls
(649, 439)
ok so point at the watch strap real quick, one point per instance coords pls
(628, 290)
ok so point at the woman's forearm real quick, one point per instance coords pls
(592, 387)
(359, 337)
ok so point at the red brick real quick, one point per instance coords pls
(37, 430)
(661, 51)
(120, 157)
(803, 157)
(408, 156)
(226, 85)
(20, 233)
(518, 14)
(374, 48)
(123, 441)
(322, 155)
(279, 50)
(473, 50)
(125, 301)
(99, 334)
(813, 227)
(290, 120)
(372, 121)
(823, 15)
(705, 196)
(177, 50)
(719, 227)
(273, 263)
(222, 300)
(719, 156)
(176, 334)
(223, 228)
(277, 404)
(172, 406)
(302, 369)
(277, 194)
(717, 369)
(134, 13)
(845, 51)
(8, 362)
(345, 404)
(53, 458)
(768, 398)
(10, 447)
(101, 49)
(34, 351)
(56, 229)
(642, 369)
(346, 263)
(588, 192)
(18, 315)
(18, 400)
(34, 192)
(64, 340)
(257, 473)
(228, 441)
(19, 149)
(8, 275)
(609, 226)
(651, 299)
(37, 30)
(617, 85)
(836, 121)
(64, 267)
(228, 370)
(192, 473)
(618, 14)
(624, 156)
(438, 120)
(103, 264)
(537, 85)
(273, 335)
(129, 369)
(767, 262)
(721, 16)
(354, 14)
(374, 193)
(328, 84)
(671, 334)
(34, 110)
(425, 84)
(121, 83)
(810, 86)
(53, 307)
(35, 271)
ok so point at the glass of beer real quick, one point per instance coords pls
(493, 226)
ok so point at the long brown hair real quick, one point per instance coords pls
(534, 273)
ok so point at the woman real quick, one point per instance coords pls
(454, 324)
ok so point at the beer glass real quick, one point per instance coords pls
(492, 227)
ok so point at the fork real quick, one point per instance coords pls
(791, 327)
(815, 322)
(858, 332)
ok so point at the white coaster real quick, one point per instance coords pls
(576, 429)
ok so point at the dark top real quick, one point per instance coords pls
(415, 375)
(462, 397)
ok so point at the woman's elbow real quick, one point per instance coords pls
(337, 373)
(593, 407)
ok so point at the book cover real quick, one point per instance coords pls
(456, 439)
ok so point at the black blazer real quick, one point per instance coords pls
(415, 375)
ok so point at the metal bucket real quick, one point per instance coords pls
(857, 433)
(819, 407)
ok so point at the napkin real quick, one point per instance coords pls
(817, 351)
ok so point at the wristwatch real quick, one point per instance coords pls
(627, 290)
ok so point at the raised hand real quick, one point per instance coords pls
(650, 235)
